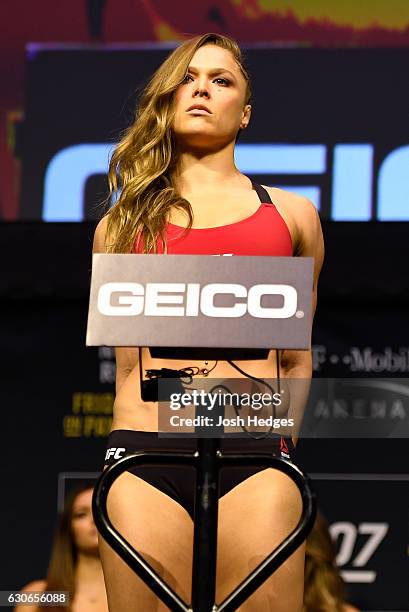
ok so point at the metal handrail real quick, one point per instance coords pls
(207, 460)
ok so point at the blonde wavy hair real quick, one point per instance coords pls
(141, 166)
(324, 589)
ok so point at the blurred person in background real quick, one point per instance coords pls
(75, 566)
(324, 589)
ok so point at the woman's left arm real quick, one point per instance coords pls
(294, 364)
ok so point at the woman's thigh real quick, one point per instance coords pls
(161, 531)
(254, 517)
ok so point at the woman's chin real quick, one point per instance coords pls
(90, 549)
(201, 141)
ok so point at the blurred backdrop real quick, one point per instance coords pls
(330, 121)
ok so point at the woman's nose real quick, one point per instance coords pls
(201, 90)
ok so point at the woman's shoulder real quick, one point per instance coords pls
(35, 585)
(349, 608)
(298, 206)
(99, 236)
(299, 214)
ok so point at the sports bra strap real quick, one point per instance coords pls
(262, 193)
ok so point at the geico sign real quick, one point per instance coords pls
(127, 299)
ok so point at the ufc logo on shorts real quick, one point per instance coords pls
(115, 453)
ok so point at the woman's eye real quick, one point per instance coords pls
(78, 515)
(222, 81)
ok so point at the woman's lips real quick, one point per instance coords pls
(198, 111)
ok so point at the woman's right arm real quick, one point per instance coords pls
(126, 357)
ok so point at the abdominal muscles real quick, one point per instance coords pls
(130, 412)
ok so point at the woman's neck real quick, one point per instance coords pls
(206, 170)
(89, 568)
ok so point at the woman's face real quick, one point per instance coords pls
(215, 82)
(82, 523)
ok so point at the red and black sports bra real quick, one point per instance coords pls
(262, 233)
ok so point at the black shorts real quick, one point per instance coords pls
(179, 481)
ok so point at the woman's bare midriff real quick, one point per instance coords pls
(130, 412)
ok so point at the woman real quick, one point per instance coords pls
(75, 566)
(175, 169)
(324, 587)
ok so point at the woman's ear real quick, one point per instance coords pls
(246, 117)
